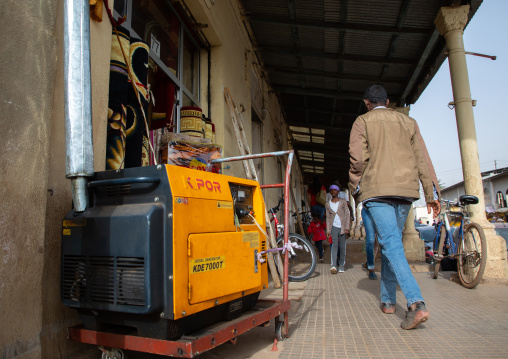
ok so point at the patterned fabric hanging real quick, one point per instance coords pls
(96, 10)
(118, 94)
(127, 141)
(137, 146)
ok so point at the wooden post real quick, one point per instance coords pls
(297, 215)
(250, 172)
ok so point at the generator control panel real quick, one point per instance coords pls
(242, 201)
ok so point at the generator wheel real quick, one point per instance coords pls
(280, 329)
(174, 330)
(113, 354)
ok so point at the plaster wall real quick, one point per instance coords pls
(232, 62)
(229, 64)
(490, 188)
(26, 107)
(454, 193)
(493, 186)
(35, 194)
(56, 317)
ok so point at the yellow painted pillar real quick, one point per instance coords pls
(355, 225)
(450, 22)
(414, 247)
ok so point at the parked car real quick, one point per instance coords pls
(427, 233)
(502, 230)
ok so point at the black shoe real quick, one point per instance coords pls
(364, 265)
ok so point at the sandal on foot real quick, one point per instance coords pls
(415, 317)
(388, 308)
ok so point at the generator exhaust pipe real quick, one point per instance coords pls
(78, 100)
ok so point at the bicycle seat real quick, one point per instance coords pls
(467, 199)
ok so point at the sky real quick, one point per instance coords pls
(485, 34)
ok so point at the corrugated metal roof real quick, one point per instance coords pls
(384, 12)
(321, 55)
(311, 39)
(309, 10)
(281, 60)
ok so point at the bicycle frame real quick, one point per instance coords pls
(453, 250)
(465, 250)
(279, 228)
(304, 218)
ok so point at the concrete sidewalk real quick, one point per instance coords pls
(338, 316)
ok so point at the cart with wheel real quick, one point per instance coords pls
(98, 283)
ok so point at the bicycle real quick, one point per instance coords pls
(305, 218)
(467, 244)
(301, 256)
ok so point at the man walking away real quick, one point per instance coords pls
(388, 160)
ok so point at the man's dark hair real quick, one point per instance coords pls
(376, 94)
(316, 185)
(335, 181)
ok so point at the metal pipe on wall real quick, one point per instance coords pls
(78, 100)
(209, 95)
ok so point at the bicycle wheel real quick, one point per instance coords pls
(439, 254)
(303, 262)
(472, 255)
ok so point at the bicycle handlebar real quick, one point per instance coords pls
(463, 201)
(276, 209)
(464, 213)
(300, 213)
(451, 203)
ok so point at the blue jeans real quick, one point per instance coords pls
(319, 246)
(370, 238)
(389, 219)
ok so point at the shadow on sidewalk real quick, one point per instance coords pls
(372, 287)
(308, 308)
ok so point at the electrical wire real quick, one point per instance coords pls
(257, 224)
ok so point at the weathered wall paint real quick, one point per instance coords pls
(57, 317)
(232, 57)
(35, 193)
(28, 60)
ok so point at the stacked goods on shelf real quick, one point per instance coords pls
(192, 152)
(191, 121)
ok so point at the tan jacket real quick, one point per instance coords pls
(389, 158)
(342, 211)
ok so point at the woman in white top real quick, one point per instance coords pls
(337, 226)
(344, 195)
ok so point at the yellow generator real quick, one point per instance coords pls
(162, 251)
